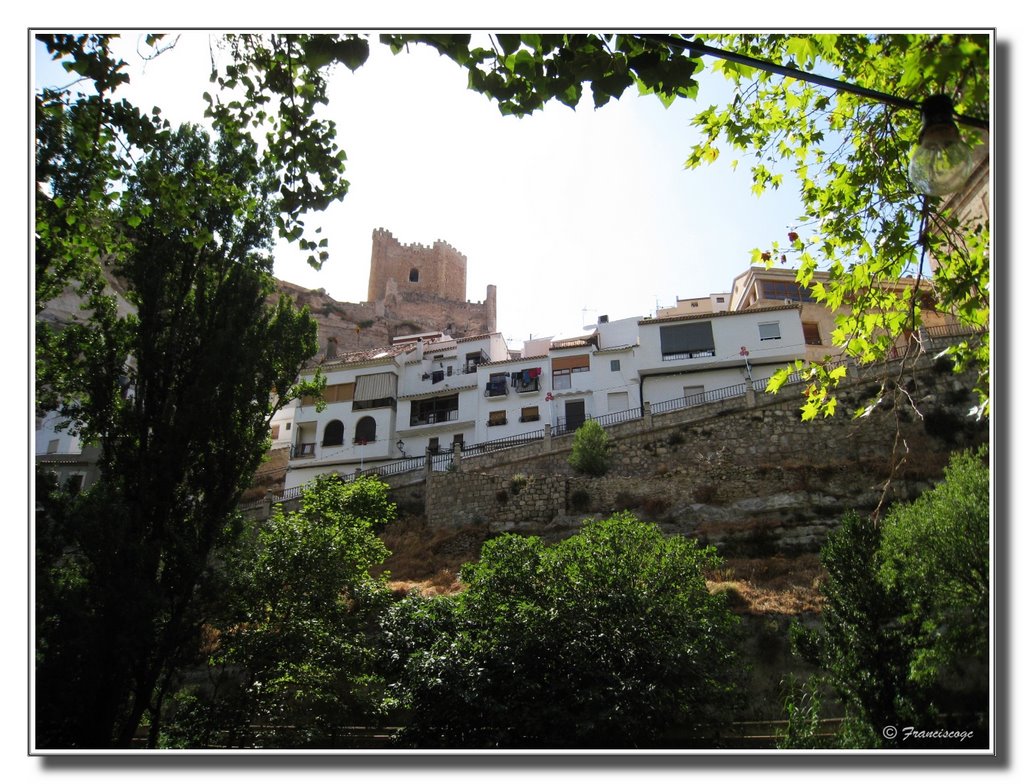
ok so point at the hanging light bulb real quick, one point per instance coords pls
(941, 161)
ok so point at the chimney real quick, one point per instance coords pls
(332, 348)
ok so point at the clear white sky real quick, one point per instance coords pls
(571, 214)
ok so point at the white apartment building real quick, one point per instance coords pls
(415, 398)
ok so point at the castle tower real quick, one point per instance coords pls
(439, 270)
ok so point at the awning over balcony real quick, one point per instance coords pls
(376, 386)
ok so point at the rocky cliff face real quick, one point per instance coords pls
(361, 325)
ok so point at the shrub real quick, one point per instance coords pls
(519, 481)
(590, 449)
(607, 639)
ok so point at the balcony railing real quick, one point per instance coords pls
(434, 417)
(303, 451)
(710, 352)
(496, 388)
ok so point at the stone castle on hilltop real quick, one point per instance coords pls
(413, 289)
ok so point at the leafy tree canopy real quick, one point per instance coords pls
(609, 638)
(295, 659)
(863, 223)
(178, 389)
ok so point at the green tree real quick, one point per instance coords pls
(863, 222)
(904, 633)
(296, 654)
(609, 638)
(178, 389)
(590, 449)
(934, 553)
(861, 644)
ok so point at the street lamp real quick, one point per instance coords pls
(941, 161)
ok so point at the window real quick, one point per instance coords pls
(414, 275)
(616, 365)
(433, 410)
(287, 426)
(275, 432)
(720, 300)
(530, 414)
(812, 337)
(433, 446)
(687, 341)
(617, 401)
(562, 369)
(334, 433)
(473, 359)
(497, 418)
(337, 393)
(526, 380)
(74, 483)
(377, 390)
(457, 439)
(770, 331)
(53, 446)
(785, 289)
(366, 430)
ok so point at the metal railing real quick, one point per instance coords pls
(502, 443)
(701, 398)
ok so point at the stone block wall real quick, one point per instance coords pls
(439, 269)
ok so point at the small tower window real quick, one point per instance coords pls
(414, 275)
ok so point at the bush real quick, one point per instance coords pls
(590, 449)
(607, 639)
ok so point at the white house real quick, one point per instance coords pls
(357, 424)
(686, 356)
(63, 454)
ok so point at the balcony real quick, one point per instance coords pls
(303, 451)
(434, 418)
(496, 388)
(476, 358)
